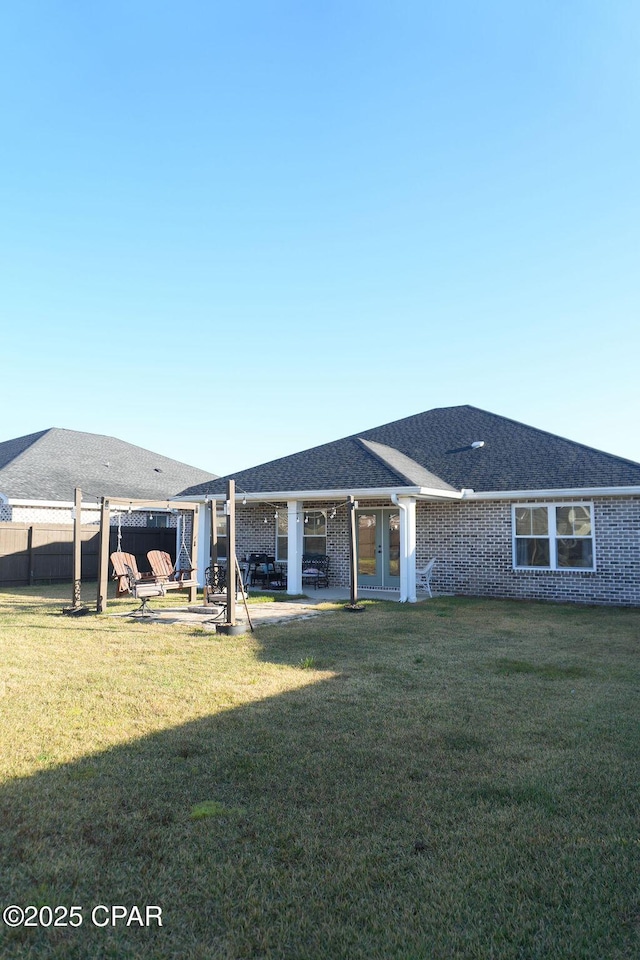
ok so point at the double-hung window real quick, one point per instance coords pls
(314, 536)
(553, 536)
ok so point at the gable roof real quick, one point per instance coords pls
(49, 464)
(434, 449)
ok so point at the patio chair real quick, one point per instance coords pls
(263, 569)
(423, 576)
(120, 562)
(164, 571)
(315, 569)
(215, 584)
(143, 589)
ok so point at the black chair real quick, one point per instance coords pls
(315, 569)
(264, 571)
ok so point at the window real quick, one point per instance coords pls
(157, 519)
(553, 536)
(221, 537)
(314, 537)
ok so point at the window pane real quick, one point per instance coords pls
(157, 520)
(532, 552)
(282, 548)
(540, 521)
(367, 544)
(575, 553)
(523, 521)
(221, 548)
(315, 545)
(394, 545)
(283, 524)
(531, 521)
(315, 523)
(573, 521)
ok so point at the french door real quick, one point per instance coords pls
(378, 541)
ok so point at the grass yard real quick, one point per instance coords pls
(453, 779)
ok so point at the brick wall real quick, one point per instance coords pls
(253, 535)
(472, 545)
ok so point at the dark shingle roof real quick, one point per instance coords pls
(48, 465)
(514, 457)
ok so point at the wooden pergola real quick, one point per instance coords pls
(106, 505)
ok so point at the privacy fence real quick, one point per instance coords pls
(43, 553)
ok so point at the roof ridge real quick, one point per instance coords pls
(366, 444)
(34, 439)
(421, 476)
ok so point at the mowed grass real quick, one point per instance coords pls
(453, 779)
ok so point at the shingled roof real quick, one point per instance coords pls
(434, 449)
(49, 464)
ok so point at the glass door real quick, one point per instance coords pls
(369, 548)
(378, 536)
(391, 548)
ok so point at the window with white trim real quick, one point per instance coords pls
(314, 537)
(553, 536)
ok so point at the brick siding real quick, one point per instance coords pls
(472, 544)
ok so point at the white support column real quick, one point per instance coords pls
(407, 549)
(294, 546)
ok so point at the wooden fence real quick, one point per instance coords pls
(43, 553)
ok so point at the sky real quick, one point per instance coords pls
(233, 231)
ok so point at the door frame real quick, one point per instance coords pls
(382, 579)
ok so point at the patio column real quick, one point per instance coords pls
(294, 546)
(407, 549)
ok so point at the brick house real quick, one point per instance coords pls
(505, 509)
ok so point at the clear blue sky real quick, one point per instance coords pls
(231, 231)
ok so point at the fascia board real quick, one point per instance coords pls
(60, 504)
(337, 494)
(561, 492)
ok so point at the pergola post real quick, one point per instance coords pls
(231, 553)
(77, 550)
(103, 559)
(353, 553)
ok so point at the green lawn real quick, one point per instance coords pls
(453, 779)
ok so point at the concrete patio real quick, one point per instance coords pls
(269, 611)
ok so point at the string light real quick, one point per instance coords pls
(332, 515)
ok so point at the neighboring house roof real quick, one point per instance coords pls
(434, 449)
(48, 466)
